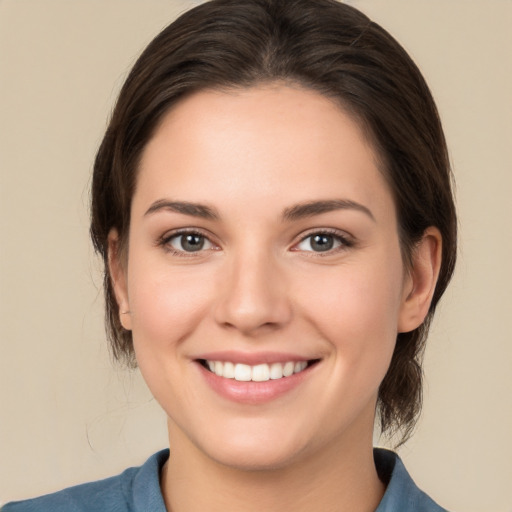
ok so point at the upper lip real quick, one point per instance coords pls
(252, 358)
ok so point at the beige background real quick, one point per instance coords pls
(67, 415)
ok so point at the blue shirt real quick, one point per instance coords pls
(138, 490)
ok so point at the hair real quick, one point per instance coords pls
(322, 45)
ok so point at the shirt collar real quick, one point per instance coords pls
(401, 492)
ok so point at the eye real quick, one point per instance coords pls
(322, 242)
(188, 242)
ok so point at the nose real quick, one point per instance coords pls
(253, 296)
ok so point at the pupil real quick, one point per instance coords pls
(192, 242)
(322, 242)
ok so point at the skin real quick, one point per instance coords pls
(259, 286)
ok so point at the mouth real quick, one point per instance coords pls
(256, 373)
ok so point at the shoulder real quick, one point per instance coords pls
(135, 489)
(401, 492)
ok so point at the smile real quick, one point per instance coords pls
(257, 373)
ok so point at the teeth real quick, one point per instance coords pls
(257, 373)
(242, 372)
(260, 373)
(228, 370)
(299, 366)
(276, 371)
(288, 369)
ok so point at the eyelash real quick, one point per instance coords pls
(165, 242)
(344, 242)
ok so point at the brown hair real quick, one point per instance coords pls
(323, 45)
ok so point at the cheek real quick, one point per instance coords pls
(356, 308)
(165, 305)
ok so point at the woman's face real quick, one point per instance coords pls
(263, 244)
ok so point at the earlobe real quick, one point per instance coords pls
(117, 271)
(421, 280)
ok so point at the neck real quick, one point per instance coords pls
(340, 478)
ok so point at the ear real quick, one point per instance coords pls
(421, 279)
(117, 270)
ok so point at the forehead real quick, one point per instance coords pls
(288, 144)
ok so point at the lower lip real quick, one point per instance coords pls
(253, 392)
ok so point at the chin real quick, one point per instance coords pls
(258, 447)
(255, 458)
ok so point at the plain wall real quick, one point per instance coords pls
(66, 414)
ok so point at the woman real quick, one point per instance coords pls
(272, 201)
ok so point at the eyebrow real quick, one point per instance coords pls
(193, 209)
(311, 208)
(296, 212)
